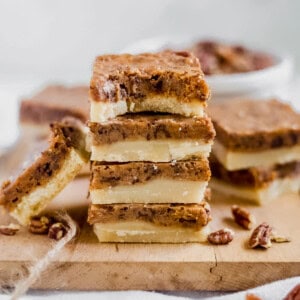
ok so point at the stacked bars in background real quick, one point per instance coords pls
(150, 140)
(256, 155)
(52, 104)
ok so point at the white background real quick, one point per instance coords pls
(58, 39)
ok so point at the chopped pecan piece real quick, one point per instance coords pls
(243, 217)
(221, 237)
(40, 224)
(57, 231)
(294, 294)
(10, 229)
(279, 238)
(261, 236)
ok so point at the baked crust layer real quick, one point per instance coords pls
(182, 215)
(252, 125)
(151, 127)
(256, 177)
(54, 103)
(66, 137)
(109, 175)
(142, 232)
(134, 77)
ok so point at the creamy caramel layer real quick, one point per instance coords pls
(235, 160)
(153, 150)
(260, 196)
(154, 191)
(142, 232)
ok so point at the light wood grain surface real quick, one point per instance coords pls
(87, 265)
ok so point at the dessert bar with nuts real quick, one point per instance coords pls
(151, 137)
(148, 182)
(169, 82)
(256, 154)
(156, 223)
(29, 193)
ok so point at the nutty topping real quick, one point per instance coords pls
(57, 231)
(221, 237)
(10, 229)
(261, 236)
(40, 224)
(294, 294)
(243, 217)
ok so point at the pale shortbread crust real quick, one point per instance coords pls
(260, 196)
(154, 150)
(152, 191)
(236, 160)
(33, 203)
(102, 111)
(142, 232)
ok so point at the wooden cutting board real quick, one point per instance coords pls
(87, 265)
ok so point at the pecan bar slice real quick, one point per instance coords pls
(27, 195)
(169, 82)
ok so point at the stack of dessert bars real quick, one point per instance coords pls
(150, 139)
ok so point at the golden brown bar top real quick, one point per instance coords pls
(132, 77)
(255, 125)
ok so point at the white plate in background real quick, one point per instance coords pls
(269, 82)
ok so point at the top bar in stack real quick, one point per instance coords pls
(167, 82)
(256, 154)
